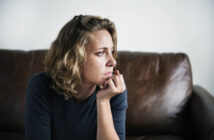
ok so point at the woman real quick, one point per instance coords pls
(78, 97)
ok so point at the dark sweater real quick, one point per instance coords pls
(50, 117)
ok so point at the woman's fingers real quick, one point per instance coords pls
(118, 81)
(113, 86)
(122, 82)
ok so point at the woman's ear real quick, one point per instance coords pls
(82, 68)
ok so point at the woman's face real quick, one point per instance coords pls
(99, 63)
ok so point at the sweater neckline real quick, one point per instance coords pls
(88, 99)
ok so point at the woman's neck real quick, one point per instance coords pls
(84, 91)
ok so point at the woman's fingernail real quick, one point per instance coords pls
(117, 72)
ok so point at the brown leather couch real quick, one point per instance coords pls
(163, 103)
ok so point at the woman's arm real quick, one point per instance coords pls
(37, 117)
(105, 123)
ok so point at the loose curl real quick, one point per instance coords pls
(67, 52)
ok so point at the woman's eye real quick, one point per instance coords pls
(100, 53)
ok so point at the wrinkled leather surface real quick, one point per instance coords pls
(159, 85)
(202, 114)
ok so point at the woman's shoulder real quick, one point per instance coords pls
(39, 78)
(39, 83)
(38, 97)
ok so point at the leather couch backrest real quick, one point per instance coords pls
(16, 68)
(158, 87)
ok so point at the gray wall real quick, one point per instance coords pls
(143, 25)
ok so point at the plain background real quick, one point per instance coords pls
(143, 25)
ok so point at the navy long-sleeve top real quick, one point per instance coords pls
(50, 117)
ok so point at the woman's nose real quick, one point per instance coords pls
(111, 62)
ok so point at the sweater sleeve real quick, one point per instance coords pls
(37, 116)
(119, 105)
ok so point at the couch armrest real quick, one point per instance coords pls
(202, 114)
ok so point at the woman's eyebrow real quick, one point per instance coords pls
(103, 48)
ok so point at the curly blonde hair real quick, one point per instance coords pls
(67, 52)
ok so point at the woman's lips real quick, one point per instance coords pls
(109, 74)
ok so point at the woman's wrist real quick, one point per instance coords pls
(103, 100)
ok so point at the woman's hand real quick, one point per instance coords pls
(113, 86)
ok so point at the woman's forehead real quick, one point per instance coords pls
(100, 40)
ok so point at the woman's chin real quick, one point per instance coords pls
(101, 84)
